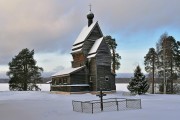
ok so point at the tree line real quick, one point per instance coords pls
(163, 63)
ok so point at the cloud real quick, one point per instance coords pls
(138, 14)
(43, 25)
(50, 26)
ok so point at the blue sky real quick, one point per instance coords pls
(51, 26)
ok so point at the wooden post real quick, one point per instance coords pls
(81, 106)
(73, 104)
(126, 103)
(92, 108)
(117, 105)
(101, 98)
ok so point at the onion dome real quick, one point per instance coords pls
(90, 15)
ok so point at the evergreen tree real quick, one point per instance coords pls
(138, 84)
(168, 61)
(150, 62)
(171, 67)
(115, 56)
(23, 72)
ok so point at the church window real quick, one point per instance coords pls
(106, 78)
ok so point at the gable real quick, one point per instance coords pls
(99, 46)
(84, 34)
(92, 32)
(104, 49)
(95, 33)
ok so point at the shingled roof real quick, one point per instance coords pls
(93, 51)
(84, 34)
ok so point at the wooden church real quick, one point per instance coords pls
(91, 65)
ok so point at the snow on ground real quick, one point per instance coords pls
(43, 105)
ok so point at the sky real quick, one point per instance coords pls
(50, 27)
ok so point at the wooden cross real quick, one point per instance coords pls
(101, 98)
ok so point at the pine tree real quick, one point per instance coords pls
(138, 84)
(23, 72)
(150, 62)
(115, 56)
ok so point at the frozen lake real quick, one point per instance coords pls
(46, 87)
(5, 87)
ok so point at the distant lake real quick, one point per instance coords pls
(46, 87)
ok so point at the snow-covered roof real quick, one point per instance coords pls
(77, 46)
(84, 33)
(92, 55)
(76, 50)
(67, 71)
(95, 46)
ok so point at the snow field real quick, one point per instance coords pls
(43, 105)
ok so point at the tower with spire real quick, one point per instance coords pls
(91, 65)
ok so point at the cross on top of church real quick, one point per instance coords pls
(90, 7)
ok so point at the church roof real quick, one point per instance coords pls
(92, 52)
(67, 71)
(84, 33)
(92, 55)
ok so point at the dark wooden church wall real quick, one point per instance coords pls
(103, 61)
(79, 77)
(79, 88)
(60, 88)
(112, 81)
(103, 56)
(92, 74)
(102, 74)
